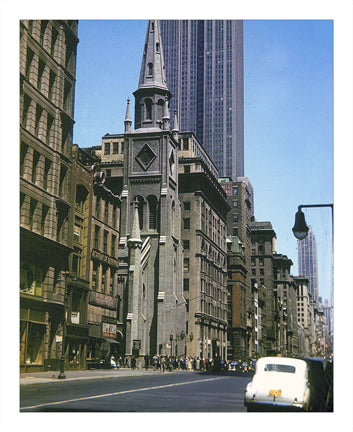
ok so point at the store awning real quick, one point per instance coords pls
(110, 340)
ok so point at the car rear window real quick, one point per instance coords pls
(270, 367)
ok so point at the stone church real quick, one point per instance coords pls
(145, 174)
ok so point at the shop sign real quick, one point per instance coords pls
(109, 330)
(104, 258)
(75, 317)
(101, 299)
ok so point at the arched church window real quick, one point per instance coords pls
(148, 105)
(160, 109)
(152, 209)
(157, 47)
(150, 69)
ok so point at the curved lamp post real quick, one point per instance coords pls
(300, 229)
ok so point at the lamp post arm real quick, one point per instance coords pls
(315, 205)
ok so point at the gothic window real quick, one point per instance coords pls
(150, 69)
(157, 47)
(148, 106)
(160, 109)
(152, 208)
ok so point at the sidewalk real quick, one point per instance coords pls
(52, 376)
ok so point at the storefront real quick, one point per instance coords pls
(104, 343)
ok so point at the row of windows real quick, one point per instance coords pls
(106, 211)
(114, 148)
(46, 34)
(40, 123)
(34, 215)
(104, 279)
(39, 74)
(105, 241)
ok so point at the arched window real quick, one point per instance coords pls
(150, 69)
(160, 109)
(148, 106)
(152, 209)
(157, 47)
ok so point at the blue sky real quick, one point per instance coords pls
(288, 104)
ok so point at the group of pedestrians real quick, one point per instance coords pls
(170, 363)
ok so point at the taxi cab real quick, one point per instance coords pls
(279, 384)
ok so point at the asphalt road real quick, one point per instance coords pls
(162, 392)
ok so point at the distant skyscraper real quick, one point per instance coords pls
(307, 262)
(204, 70)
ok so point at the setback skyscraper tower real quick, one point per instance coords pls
(307, 262)
(204, 70)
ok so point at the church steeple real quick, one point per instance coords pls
(152, 92)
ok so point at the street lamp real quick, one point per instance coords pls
(62, 360)
(300, 229)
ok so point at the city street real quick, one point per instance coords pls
(178, 391)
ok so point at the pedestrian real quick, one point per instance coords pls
(133, 362)
(147, 361)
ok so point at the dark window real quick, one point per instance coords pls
(106, 148)
(105, 242)
(186, 284)
(150, 69)
(115, 147)
(186, 223)
(47, 166)
(187, 205)
(186, 244)
(152, 206)
(113, 245)
(36, 156)
(96, 237)
(187, 169)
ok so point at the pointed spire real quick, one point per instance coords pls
(127, 120)
(152, 72)
(135, 237)
(152, 87)
(175, 130)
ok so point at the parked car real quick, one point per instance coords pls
(279, 384)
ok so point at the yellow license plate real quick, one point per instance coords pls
(275, 393)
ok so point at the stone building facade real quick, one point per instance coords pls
(285, 290)
(263, 247)
(47, 84)
(203, 233)
(242, 327)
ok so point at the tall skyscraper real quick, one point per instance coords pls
(204, 71)
(307, 262)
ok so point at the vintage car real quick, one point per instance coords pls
(279, 384)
